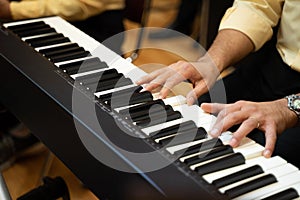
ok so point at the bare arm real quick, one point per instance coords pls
(229, 47)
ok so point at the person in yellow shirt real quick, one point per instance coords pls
(100, 19)
(262, 95)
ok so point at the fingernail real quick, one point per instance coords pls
(233, 142)
(190, 101)
(267, 153)
(214, 132)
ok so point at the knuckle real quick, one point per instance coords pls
(223, 113)
(233, 116)
(240, 103)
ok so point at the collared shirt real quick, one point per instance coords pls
(72, 10)
(257, 18)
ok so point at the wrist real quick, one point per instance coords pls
(293, 103)
(289, 115)
(217, 59)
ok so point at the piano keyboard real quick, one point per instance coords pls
(180, 130)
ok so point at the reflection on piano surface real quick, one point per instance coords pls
(49, 69)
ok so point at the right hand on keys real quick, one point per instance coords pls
(202, 74)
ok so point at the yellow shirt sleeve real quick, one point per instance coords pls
(71, 10)
(253, 18)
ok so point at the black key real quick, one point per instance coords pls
(287, 194)
(156, 112)
(188, 125)
(122, 99)
(57, 50)
(47, 40)
(27, 26)
(113, 83)
(145, 106)
(238, 176)
(171, 116)
(35, 32)
(106, 81)
(70, 55)
(205, 156)
(94, 78)
(64, 51)
(135, 99)
(251, 185)
(184, 137)
(152, 111)
(83, 65)
(132, 90)
(209, 144)
(220, 164)
(31, 28)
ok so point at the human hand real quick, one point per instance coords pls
(270, 117)
(202, 74)
(5, 10)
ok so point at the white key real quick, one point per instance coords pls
(250, 151)
(284, 181)
(37, 36)
(158, 127)
(175, 101)
(128, 69)
(282, 188)
(196, 114)
(245, 141)
(74, 76)
(52, 46)
(98, 94)
(278, 172)
(265, 163)
(58, 64)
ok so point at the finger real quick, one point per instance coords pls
(170, 83)
(223, 124)
(152, 86)
(159, 81)
(198, 90)
(148, 78)
(213, 107)
(225, 109)
(271, 138)
(245, 128)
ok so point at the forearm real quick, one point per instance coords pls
(229, 47)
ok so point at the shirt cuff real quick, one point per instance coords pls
(249, 23)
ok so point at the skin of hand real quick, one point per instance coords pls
(202, 74)
(229, 47)
(5, 10)
(270, 117)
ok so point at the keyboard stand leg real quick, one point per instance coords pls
(4, 194)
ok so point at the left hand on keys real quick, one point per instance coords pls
(202, 74)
